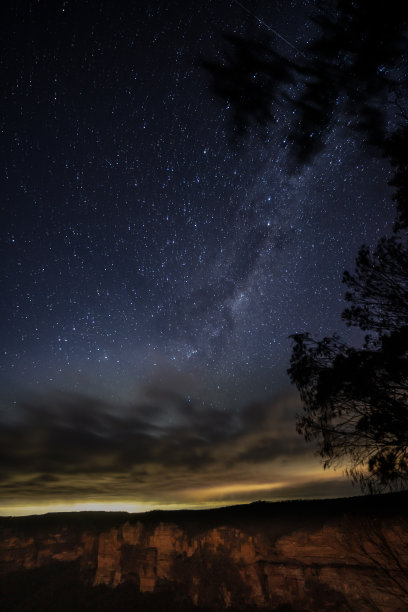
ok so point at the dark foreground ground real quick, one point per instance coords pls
(58, 589)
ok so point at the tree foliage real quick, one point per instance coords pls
(378, 289)
(396, 149)
(351, 69)
(355, 400)
(249, 79)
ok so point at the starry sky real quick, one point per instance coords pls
(153, 269)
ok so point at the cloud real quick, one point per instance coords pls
(162, 449)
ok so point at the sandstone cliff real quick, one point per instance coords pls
(342, 563)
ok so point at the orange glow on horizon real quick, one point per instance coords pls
(202, 497)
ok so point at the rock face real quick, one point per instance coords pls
(349, 563)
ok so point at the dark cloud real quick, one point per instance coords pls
(63, 444)
(163, 449)
(270, 448)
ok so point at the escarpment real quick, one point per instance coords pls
(345, 561)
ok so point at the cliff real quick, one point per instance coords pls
(305, 557)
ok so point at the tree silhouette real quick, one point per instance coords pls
(355, 400)
(396, 148)
(383, 546)
(249, 79)
(350, 70)
(355, 405)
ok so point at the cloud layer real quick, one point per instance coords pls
(162, 450)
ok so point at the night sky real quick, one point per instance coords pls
(153, 269)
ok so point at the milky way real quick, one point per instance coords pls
(142, 247)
